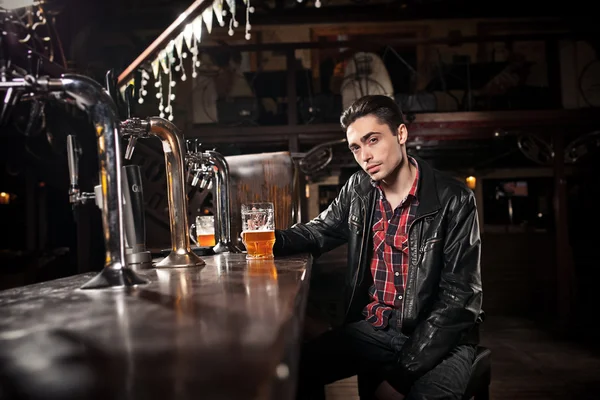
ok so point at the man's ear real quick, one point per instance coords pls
(402, 134)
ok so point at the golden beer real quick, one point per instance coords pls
(206, 240)
(259, 244)
(262, 268)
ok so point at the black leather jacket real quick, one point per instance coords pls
(443, 296)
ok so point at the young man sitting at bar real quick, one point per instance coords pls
(413, 279)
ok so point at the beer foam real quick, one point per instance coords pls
(260, 230)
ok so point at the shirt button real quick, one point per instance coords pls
(397, 273)
(400, 297)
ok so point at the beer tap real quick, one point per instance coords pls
(11, 96)
(90, 97)
(73, 153)
(210, 169)
(133, 128)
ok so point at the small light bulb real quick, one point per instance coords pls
(141, 101)
(171, 117)
(183, 77)
(248, 36)
(172, 97)
(173, 83)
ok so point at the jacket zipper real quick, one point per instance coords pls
(360, 256)
(408, 275)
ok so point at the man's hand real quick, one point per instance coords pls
(385, 391)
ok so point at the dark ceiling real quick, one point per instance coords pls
(135, 23)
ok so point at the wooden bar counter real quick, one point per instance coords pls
(230, 330)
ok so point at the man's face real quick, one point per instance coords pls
(376, 149)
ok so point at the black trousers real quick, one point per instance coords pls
(359, 349)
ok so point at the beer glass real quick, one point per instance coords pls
(205, 231)
(258, 229)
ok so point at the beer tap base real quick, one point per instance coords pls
(140, 260)
(114, 278)
(223, 247)
(181, 260)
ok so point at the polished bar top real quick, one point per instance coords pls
(229, 330)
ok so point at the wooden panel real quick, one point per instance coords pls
(260, 178)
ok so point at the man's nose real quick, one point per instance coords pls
(365, 155)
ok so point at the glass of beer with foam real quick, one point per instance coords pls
(258, 229)
(205, 231)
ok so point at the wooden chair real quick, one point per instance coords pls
(264, 177)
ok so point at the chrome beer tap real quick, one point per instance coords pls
(91, 97)
(209, 170)
(181, 254)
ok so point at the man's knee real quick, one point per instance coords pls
(448, 380)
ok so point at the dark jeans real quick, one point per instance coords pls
(359, 349)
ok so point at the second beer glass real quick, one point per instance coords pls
(258, 229)
(205, 231)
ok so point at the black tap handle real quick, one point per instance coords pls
(111, 88)
(111, 84)
(129, 100)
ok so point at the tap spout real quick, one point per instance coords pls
(223, 207)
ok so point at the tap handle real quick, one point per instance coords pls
(196, 178)
(111, 89)
(73, 160)
(193, 145)
(111, 85)
(129, 100)
(6, 104)
(130, 147)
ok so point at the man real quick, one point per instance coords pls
(413, 281)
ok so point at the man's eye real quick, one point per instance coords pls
(373, 140)
(354, 149)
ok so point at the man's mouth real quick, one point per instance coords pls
(373, 168)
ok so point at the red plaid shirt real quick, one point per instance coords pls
(389, 265)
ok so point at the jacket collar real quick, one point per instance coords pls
(427, 192)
